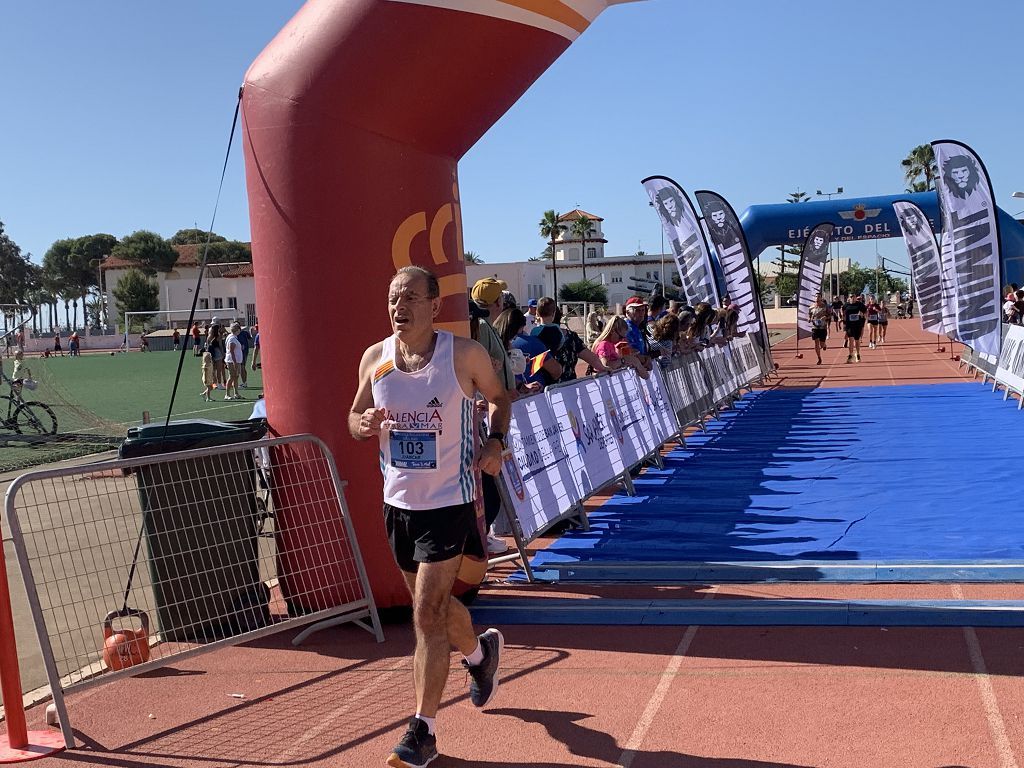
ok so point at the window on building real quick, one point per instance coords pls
(574, 254)
(204, 303)
(616, 277)
(591, 253)
(250, 314)
(649, 274)
(218, 303)
(232, 302)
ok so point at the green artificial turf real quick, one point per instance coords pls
(102, 394)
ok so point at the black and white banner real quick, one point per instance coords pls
(734, 256)
(747, 360)
(659, 408)
(924, 264)
(682, 227)
(948, 271)
(812, 272)
(1010, 371)
(628, 415)
(719, 371)
(688, 389)
(969, 220)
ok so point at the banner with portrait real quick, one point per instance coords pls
(590, 437)
(923, 252)
(812, 272)
(682, 228)
(536, 468)
(737, 268)
(970, 230)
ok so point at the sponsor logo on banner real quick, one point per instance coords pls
(512, 473)
(613, 417)
(970, 227)
(924, 264)
(812, 272)
(859, 213)
(682, 228)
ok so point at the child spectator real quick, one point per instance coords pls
(176, 338)
(209, 377)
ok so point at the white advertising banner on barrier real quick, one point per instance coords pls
(719, 371)
(536, 467)
(746, 359)
(589, 437)
(659, 410)
(628, 415)
(1010, 372)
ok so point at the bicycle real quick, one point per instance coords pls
(26, 417)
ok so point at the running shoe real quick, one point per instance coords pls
(849, 358)
(496, 546)
(483, 682)
(417, 747)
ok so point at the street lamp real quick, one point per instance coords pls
(99, 286)
(833, 266)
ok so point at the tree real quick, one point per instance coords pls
(920, 162)
(17, 274)
(150, 252)
(782, 261)
(194, 236)
(545, 255)
(550, 229)
(472, 258)
(584, 290)
(857, 276)
(226, 251)
(135, 292)
(581, 228)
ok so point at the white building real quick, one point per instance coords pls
(568, 247)
(227, 287)
(525, 279)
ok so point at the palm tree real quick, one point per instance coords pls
(471, 257)
(920, 162)
(580, 229)
(550, 229)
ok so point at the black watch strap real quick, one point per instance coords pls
(496, 435)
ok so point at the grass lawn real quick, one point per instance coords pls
(105, 394)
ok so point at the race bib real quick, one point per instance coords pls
(818, 323)
(413, 450)
(853, 318)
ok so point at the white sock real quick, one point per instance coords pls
(428, 720)
(477, 656)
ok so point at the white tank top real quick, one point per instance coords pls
(426, 450)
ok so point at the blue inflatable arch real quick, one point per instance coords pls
(864, 218)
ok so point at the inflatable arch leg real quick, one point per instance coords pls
(356, 115)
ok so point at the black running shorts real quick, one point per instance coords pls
(432, 535)
(819, 334)
(854, 330)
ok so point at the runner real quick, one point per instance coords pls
(883, 321)
(410, 385)
(818, 315)
(872, 311)
(853, 320)
(837, 312)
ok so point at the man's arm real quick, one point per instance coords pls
(474, 364)
(363, 419)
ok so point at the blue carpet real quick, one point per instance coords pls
(886, 474)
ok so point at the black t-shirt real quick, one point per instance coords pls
(569, 353)
(853, 312)
(837, 305)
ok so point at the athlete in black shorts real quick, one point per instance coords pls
(853, 318)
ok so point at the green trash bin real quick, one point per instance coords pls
(200, 519)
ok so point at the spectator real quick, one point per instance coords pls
(664, 335)
(571, 348)
(20, 373)
(614, 350)
(245, 339)
(232, 361)
(176, 338)
(532, 321)
(56, 344)
(256, 361)
(658, 307)
(541, 368)
(215, 346)
(595, 324)
(143, 343)
(1019, 306)
(636, 319)
(74, 344)
(209, 378)
(487, 297)
(197, 347)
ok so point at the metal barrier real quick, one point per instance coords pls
(130, 565)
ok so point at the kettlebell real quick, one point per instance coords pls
(125, 647)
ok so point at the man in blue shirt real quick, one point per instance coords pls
(636, 319)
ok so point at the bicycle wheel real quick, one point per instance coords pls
(35, 418)
(6, 410)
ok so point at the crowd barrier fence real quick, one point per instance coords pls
(240, 541)
(575, 439)
(1006, 370)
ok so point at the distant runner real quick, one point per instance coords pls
(853, 318)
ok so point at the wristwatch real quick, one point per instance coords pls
(499, 436)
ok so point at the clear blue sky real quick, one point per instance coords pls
(116, 114)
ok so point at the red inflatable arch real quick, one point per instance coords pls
(355, 117)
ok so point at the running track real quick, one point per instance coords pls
(641, 697)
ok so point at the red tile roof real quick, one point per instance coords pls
(576, 213)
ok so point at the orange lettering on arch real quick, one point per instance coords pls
(442, 219)
(554, 10)
(401, 243)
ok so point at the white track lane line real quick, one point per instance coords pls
(660, 692)
(996, 725)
